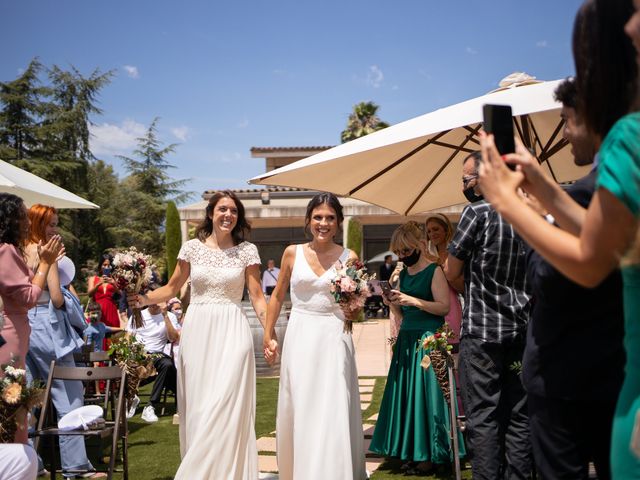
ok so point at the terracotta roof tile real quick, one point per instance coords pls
(288, 149)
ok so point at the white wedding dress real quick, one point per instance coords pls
(319, 424)
(216, 368)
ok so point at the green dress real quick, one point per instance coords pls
(413, 422)
(619, 173)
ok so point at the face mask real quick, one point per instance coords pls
(177, 312)
(411, 259)
(472, 196)
(106, 271)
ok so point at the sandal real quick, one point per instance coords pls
(92, 474)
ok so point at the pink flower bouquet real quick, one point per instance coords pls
(132, 273)
(350, 287)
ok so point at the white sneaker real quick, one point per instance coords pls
(132, 409)
(149, 414)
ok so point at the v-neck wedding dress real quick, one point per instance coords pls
(319, 424)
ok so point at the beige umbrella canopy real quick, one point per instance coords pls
(415, 166)
(33, 189)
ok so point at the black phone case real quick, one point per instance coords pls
(498, 120)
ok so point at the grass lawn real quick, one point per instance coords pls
(154, 451)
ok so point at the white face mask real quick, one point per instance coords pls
(177, 312)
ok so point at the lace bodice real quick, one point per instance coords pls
(310, 292)
(217, 276)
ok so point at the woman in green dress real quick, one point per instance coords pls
(413, 422)
(592, 242)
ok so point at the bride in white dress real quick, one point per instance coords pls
(216, 365)
(319, 424)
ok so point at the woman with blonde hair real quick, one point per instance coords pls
(413, 422)
(439, 233)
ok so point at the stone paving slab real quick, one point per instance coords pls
(373, 417)
(373, 464)
(368, 430)
(267, 463)
(373, 353)
(267, 444)
(366, 382)
(364, 406)
(366, 397)
(367, 389)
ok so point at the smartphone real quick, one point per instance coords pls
(498, 120)
(385, 287)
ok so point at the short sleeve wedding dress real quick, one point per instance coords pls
(216, 368)
(319, 424)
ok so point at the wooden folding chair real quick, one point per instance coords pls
(116, 428)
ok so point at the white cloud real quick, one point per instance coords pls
(181, 133)
(471, 51)
(132, 72)
(244, 123)
(109, 139)
(375, 76)
(542, 44)
(425, 73)
(231, 158)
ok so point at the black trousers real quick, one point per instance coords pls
(167, 377)
(495, 404)
(568, 434)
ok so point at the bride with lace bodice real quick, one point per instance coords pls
(216, 365)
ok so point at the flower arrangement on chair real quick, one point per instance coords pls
(350, 287)
(130, 355)
(16, 400)
(439, 356)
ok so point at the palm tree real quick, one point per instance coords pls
(362, 121)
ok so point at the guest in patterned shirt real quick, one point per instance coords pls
(494, 321)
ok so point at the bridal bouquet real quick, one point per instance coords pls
(439, 356)
(132, 272)
(16, 400)
(350, 287)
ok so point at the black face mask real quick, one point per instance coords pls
(412, 259)
(472, 196)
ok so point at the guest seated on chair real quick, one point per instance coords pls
(157, 330)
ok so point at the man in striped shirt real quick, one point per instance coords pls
(496, 311)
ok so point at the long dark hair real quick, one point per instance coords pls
(605, 61)
(12, 217)
(242, 227)
(321, 199)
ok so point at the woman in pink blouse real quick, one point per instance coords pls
(19, 287)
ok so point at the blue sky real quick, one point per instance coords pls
(226, 76)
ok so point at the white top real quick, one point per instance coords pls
(217, 276)
(270, 278)
(153, 333)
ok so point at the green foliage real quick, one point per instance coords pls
(354, 236)
(173, 237)
(362, 121)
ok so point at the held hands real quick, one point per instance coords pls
(52, 251)
(270, 349)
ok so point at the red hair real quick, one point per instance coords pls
(40, 216)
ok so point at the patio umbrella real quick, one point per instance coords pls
(33, 189)
(415, 166)
(380, 257)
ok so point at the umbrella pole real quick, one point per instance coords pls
(454, 422)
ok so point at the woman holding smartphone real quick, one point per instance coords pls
(102, 288)
(413, 422)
